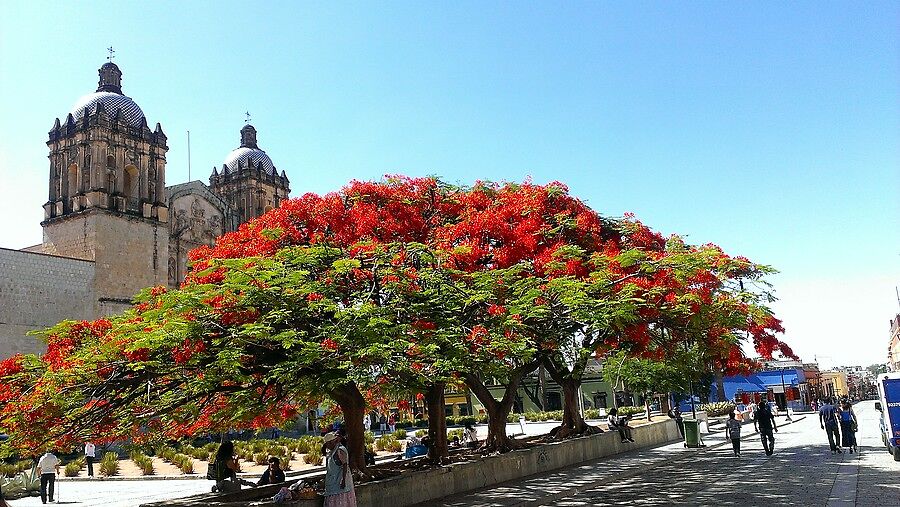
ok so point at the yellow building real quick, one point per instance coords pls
(834, 383)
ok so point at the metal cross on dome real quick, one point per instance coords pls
(111, 53)
(248, 117)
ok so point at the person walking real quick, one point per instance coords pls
(48, 467)
(733, 431)
(752, 408)
(382, 421)
(392, 422)
(338, 479)
(765, 425)
(848, 426)
(828, 420)
(90, 453)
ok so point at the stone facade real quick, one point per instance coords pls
(249, 181)
(198, 217)
(37, 291)
(108, 232)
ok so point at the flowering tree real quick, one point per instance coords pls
(407, 285)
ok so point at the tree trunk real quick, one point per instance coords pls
(353, 405)
(437, 423)
(497, 439)
(647, 406)
(573, 422)
(720, 386)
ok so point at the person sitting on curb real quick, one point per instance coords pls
(619, 424)
(226, 468)
(274, 474)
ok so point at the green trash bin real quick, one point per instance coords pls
(691, 432)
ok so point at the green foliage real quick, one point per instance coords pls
(400, 434)
(313, 457)
(383, 443)
(718, 408)
(109, 464)
(144, 462)
(630, 410)
(184, 462)
(422, 433)
(73, 467)
(369, 437)
(11, 469)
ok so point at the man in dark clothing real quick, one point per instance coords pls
(765, 422)
(675, 413)
(828, 419)
(274, 474)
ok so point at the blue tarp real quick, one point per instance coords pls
(759, 382)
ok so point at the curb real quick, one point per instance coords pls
(627, 475)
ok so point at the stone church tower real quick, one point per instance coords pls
(107, 197)
(249, 181)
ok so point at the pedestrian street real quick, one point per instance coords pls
(801, 472)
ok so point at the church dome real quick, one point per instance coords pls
(111, 102)
(242, 155)
(249, 152)
(109, 95)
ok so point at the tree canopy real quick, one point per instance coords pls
(379, 290)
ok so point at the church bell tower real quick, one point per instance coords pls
(107, 197)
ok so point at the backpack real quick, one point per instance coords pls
(212, 471)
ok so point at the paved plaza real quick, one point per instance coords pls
(801, 472)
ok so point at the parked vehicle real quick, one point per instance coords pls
(889, 405)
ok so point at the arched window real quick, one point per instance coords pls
(130, 188)
(72, 176)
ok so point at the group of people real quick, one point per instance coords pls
(339, 490)
(763, 422)
(386, 423)
(840, 424)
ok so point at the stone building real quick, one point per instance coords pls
(111, 225)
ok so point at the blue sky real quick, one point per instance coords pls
(769, 129)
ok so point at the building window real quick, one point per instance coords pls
(554, 401)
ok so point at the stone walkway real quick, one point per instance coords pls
(801, 472)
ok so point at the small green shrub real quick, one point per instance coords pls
(458, 432)
(400, 434)
(313, 457)
(395, 446)
(369, 437)
(718, 409)
(631, 410)
(73, 468)
(184, 462)
(422, 433)
(109, 464)
(384, 443)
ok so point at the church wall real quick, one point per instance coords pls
(194, 222)
(133, 256)
(70, 237)
(37, 291)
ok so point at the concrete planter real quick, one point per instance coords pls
(413, 488)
